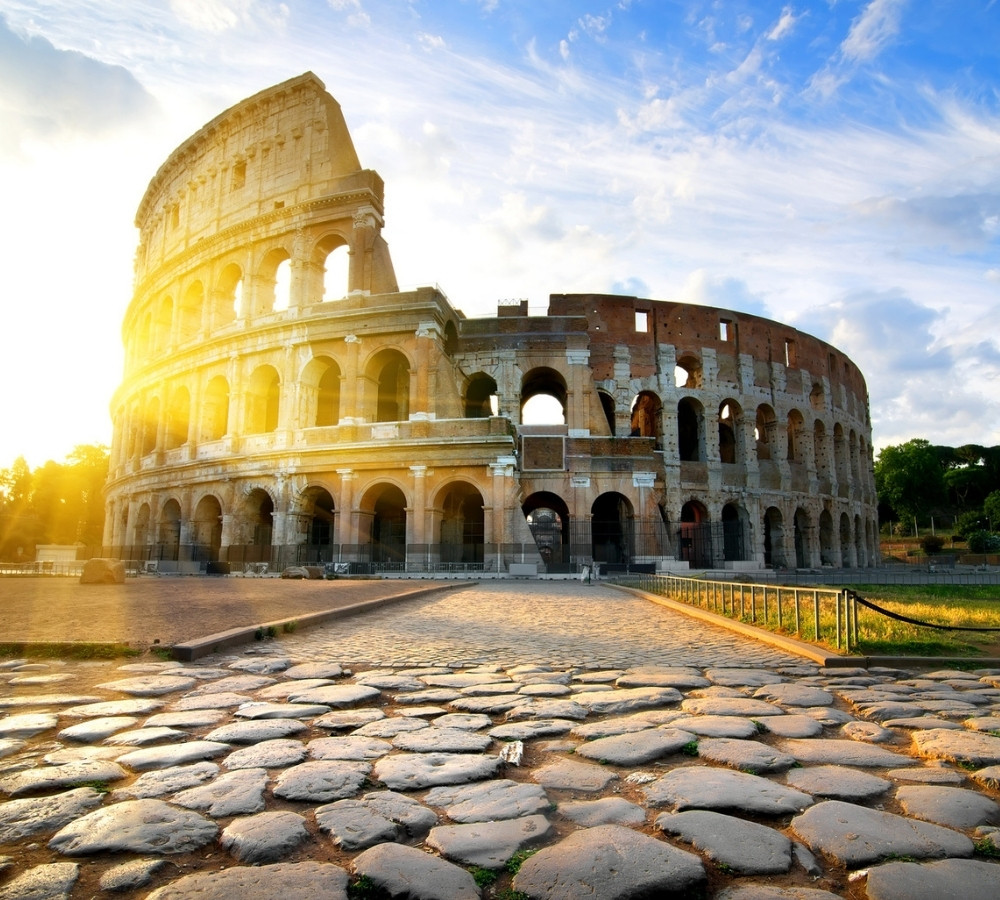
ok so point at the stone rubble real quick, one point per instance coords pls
(300, 767)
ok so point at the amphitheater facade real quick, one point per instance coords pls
(284, 402)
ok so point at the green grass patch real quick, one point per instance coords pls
(102, 787)
(986, 847)
(513, 865)
(483, 877)
(690, 748)
(80, 650)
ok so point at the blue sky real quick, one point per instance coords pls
(833, 164)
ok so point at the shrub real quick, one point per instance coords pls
(983, 542)
(931, 543)
(968, 522)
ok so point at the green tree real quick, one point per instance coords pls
(910, 478)
(991, 509)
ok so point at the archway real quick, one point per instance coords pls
(647, 416)
(774, 538)
(389, 373)
(690, 418)
(695, 535)
(729, 418)
(826, 539)
(846, 543)
(462, 525)
(548, 520)
(169, 537)
(611, 527)
(319, 510)
(207, 529)
(141, 533)
(262, 400)
(258, 520)
(735, 527)
(803, 540)
(543, 397)
(481, 397)
(215, 409)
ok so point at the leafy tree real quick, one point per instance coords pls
(910, 477)
(991, 509)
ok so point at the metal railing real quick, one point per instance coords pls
(823, 615)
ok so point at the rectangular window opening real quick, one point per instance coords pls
(641, 320)
(725, 330)
(790, 353)
(239, 175)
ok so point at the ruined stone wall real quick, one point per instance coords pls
(269, 413)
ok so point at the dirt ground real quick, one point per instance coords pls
(168, 609)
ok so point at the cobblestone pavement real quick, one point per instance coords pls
(613, 748)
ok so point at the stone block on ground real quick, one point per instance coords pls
(103, 571)
(403, 871)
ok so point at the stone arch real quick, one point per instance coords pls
(612, 529)
(846, 541)
(267, 280)
(207, 529)
(735, 532)
(548, 520)
(481, 397)
(189, 312)
(383, 519)
(169, 532)
(695, 535)
(215, 409)
(764, 431)
(332, 255)
(647, 415)
(229, 295)
(820, 454)
(817, 396)
(388, 371)
(688, 371)
(544, 382)
(860, 552)
(803, 539)
(774, 538)
(321, 382)
(462, 526)
(257, 524)
(690, 430)
(608, 408)
(450, 338)
(263, 398)
(150, 425)
(141, 533)
(164, 323)
(319, 513)
(826, 539)
(841, 453)
(730, 432)
(178, 418)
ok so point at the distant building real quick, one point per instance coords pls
(284, 402)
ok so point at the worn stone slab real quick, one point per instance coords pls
(791, 726)
(264, 838)
(958, 746)
(391, 681)
(167, 781)
(409, 814)
(570, 775)
(355, 825)
(840, 752)
(138, 706)
(650, 718)
(717, 726)
(282, 689)
(869, 732)
(52, 881)
(27, 725)
(488, 844)
(662, 676)
(94, 730)
(236, 684)
(492, 706)
(135, 826)
(531, 728)
(348, 747)
(237, 793)
(262, 666)
(412, 771)
(255, 731)
(40, 701)
(275, 754)
(50, 778)
(969, 879)
(9, 747)
(21, 818)
(791, 693)
(544, 689)
(79, 754)
(745, 755)
(271, 710)
(496, 799)
(605, 811)
(837, 783)
(928, 775)
(315, 880)
(742, 677)
(988, 777)
(431, 695)
(221, 700)
(950, 806)
(143, 737)
(321, 780)
(636, 748)
(150, 685)
(731, 706)
(856, 836)
(466, 721)
(627, 700)
(403, 871)
(746, 848)
(610, 862)
(770, 892)
(172, 755)
(389, 728)
(983, 723)
(314, 670)
(428, 712)
(923, 723)
(549, 709)
(883, 710)
(442, 740)
(343, 720)
(466, 679)
(129, 876)
(337, 696)
(702, 787)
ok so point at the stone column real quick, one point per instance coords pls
(502, 471)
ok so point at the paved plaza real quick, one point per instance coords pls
(505, 740)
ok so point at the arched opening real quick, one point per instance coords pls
(262, 399)
(207, 530)
(390, 373)
(481, 399)
(282, 286)
(543, 398)
(462, 524)
(548, 520)
(608, 408)
(647, 416)
(729, 419)
(803, 539)
(763, 431)
(820, 455)
(688, 372)
(178, 418)
(827, 555)
(774, 538)
(385, 506)
(794, 426)
(817, 396)
(141, 533)
(690, 420)
(328, 396)
(257, 528)
(695, 538)
(189, 324)
(450, 338)
(846, 542)
(271, 294)
(215, 409)
(150, 425)
(164, 323)
(169, 537)
(861, 557)
(735, 533)
(229, 297)
(611, 525)
(321, 519)
(336, 270)
(840, 453)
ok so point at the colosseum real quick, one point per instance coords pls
(283, 402)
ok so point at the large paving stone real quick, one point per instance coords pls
(744, 847)
(237, 684)
(336, 695)
(412, 771)
(747, 756)
(856, 836)
(791, 693)
(346, 719)
(497, 799)
(167, 781)
(718, 726)
(793, 726)
(770, 892)
(52, 881)
(532, 728)
(488, 844)
(390, 727)
(403, 871)
(954, 807)
(731, 706)
(442, 740)
(264, 838)
(466, 721)
(627, 700)
(837, 783)
(636, 748)
(409, 814)
(742, 677)
(131, 875)
(355, 825)
(272, 710)
(605, 811)
(150, 685)
(276, 754)
(172, 755)
(465, 679)
(20, 818)
(549, 709)
(48, 778)
(839, 752)
(143, 737)
(609, 862)
(290, 881)
(701, 787)
(662, 676)
(314, 670)
(217, 701)
(135, 707)
(135, 826)
(968, 879)
(27, 725)
(237, 793)
(570, 775)
(958, 746)
(253, 732)
(348, 747)
(321, 780)
(650, 718)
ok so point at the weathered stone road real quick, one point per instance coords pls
(416, 750)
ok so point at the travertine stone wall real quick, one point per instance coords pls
(271, 413)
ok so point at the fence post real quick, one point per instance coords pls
(854, 605)
(838, 595)
(777, 591)
(753, 603)
(798, 624)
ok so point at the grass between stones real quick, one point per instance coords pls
(67, 651)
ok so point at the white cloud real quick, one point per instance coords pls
(784, 26)
(877, 25)
(431, 41)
